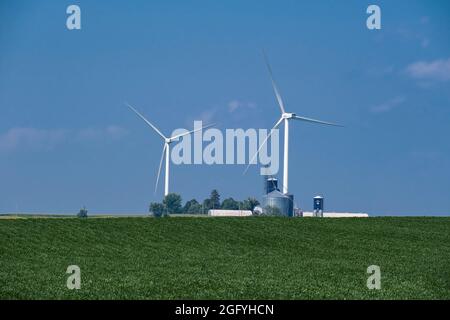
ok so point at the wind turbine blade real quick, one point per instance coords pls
(274, 85)
(192, 131)
(148, 122)
(262, 144)
(316, 121)
(160, 166)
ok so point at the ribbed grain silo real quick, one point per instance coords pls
(276, 202)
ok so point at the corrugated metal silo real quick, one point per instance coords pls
(283, 203)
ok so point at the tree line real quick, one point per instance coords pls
(173, 204)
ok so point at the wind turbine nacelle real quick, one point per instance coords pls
(288, 115)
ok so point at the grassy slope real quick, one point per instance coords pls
(236, 258)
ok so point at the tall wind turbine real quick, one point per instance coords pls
(166, 148)
(285, 117)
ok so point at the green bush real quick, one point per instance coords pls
(83, 213)
(157, 209)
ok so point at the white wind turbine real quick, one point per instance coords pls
(286, 117)
(166, 148)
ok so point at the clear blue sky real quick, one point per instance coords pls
(66, 139)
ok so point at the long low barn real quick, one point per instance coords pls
(229, 213)
(338, 215)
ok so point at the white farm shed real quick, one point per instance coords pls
(229, 213)
(338, 215)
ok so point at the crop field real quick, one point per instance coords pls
(225, 258)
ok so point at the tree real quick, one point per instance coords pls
(157, 209)
(172, 203)
(249, 204)
(207, 205)
(189, 204)
(195, 208)
(83, 213)
(230, 204)
(215, 199)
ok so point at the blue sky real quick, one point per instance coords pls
(66, 139)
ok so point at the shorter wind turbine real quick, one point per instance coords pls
(166, 148)
(286, 117)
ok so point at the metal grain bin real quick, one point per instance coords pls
(283, 203)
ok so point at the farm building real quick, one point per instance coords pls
(337, 215)
(229, 213)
